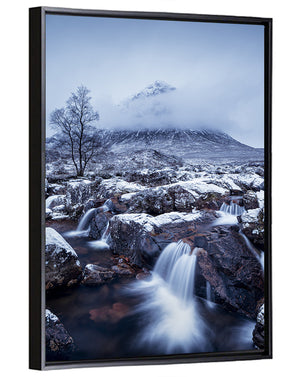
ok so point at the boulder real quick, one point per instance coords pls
(59, 344)
(182, 196)
(113, 187)
(95, 275)
(259, 330)
(62, 266)
(252, 222)
(152, 178)
(234, 273)
(98, 223)
(250, 200)
(142, 237)
(79, 191)
(55, 201)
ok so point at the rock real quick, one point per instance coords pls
(48, 214)
(183, 196)
(59, 344)
(62, 266)
(250, 200)
(259, 330)
(253, 226)
(56, 200)
(98, 223)
(234, 273)
(95, 275)
(79, 191)
(249, 181)
(152, 178)
(142, 237)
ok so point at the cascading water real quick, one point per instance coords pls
(228, 214)
(82, 229)
(85, 220)
(169, 257)
(232, 209)
(209, 295)
(103, 242)
(259, 255)
(108, 206)
(171, 320)
(83, 226)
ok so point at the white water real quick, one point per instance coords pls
(107, 206)
(169, 257)
(101, 244)
(232, 209)
(85, 220)
(228, 214)
(172, 322)
(259, 255)
(209, 295)
(83, 227)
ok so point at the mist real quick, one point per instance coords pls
(217, 70)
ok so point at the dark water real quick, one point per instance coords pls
(105, 323)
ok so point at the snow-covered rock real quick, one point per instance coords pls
(259, 330)
(252, 222)
(59, 344)
(94, 275)
(55, 200)
(116, 186)
(62, 266)
(181, 196)
(250, 200)
(141, 237)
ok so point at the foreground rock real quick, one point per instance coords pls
(59, 344)
(259, 330)
(96, 275)
(62, 266)
(142, 237)
(253, 226)
(234, 273)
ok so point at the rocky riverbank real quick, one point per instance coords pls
(120, 223)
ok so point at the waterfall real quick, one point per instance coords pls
(232, 209)
(208, 294)
(228, 214)
(103, 242)
(259, 255)
(83, 226)
(85, 220)
(108, 206)
(169, 257)
(169, 310)
(182, 278)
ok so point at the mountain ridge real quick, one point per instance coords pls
(184, 143)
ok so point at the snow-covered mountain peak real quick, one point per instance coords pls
(154, 89)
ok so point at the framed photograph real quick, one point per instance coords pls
(150, 188)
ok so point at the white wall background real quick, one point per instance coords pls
(14, 185)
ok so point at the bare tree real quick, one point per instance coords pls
(75, 121)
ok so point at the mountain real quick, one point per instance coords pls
(155, 89)
(186, 144)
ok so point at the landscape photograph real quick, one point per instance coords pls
(154, 189)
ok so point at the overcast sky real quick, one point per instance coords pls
(217, 69)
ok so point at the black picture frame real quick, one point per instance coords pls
(37, 81)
